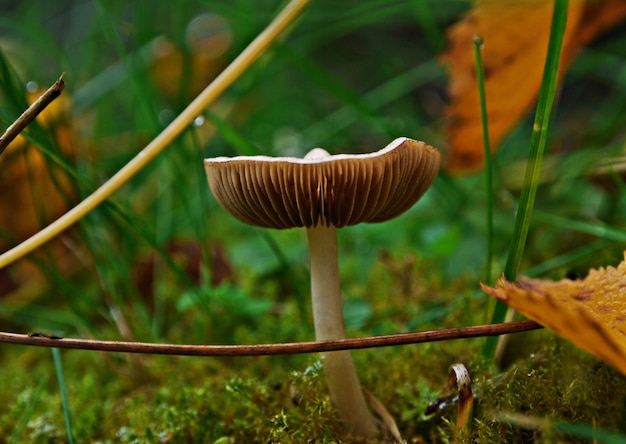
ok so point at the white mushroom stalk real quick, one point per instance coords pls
(341, 376)
(324, 192)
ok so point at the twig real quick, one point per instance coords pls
(41, 340)
(31, 112)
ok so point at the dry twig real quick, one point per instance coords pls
(31, 112)
(42, 340)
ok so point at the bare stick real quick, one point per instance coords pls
(31, 112)
(42, 340)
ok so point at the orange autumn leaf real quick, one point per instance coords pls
(39, 188)
(590, 312)
(38, 191)
(516, 40)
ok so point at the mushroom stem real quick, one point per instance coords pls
(341, 376)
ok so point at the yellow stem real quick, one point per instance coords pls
(167, 136)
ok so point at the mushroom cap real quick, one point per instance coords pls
(336, 190)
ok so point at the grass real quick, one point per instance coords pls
(478, 44)
(538, 143)
(146, 264)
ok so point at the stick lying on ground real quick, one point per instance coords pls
(43, 340)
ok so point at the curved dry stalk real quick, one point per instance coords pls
(258, 46)
(476, 331)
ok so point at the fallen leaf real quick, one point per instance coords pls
(459, 378)
(40, 190)
(516, 40)
(590, 312)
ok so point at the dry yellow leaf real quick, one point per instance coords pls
(590, 312)
(516, 40)
(40, 189)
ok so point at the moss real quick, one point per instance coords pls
(130, 398)
(201, 400)
(559, 382)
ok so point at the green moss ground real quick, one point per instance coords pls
(132, 398)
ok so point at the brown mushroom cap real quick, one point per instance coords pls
(338, 190)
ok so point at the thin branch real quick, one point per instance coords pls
(33, 111)
(41, 340)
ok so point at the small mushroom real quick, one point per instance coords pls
(324, 192)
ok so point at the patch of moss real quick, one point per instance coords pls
(201, 400)
(559, 382)
(131, 398)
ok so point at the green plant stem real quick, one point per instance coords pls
(56, 356)
(535, 157)
(167, 136)
(480, 79)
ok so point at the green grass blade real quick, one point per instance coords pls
(588, 431)
(567, 258)
(56, 355)
(538, 140)
(424, 15)
(28, 412)
(111, 77)
(139, 87)
(11, 86)
(375, 99)
(535, 157)
(480, 78)
(563, 428)
(342, 92)
(596, 229)
(232, 136)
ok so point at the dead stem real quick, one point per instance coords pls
(31, 112)
(41, 340)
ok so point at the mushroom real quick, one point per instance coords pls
(323, 192)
